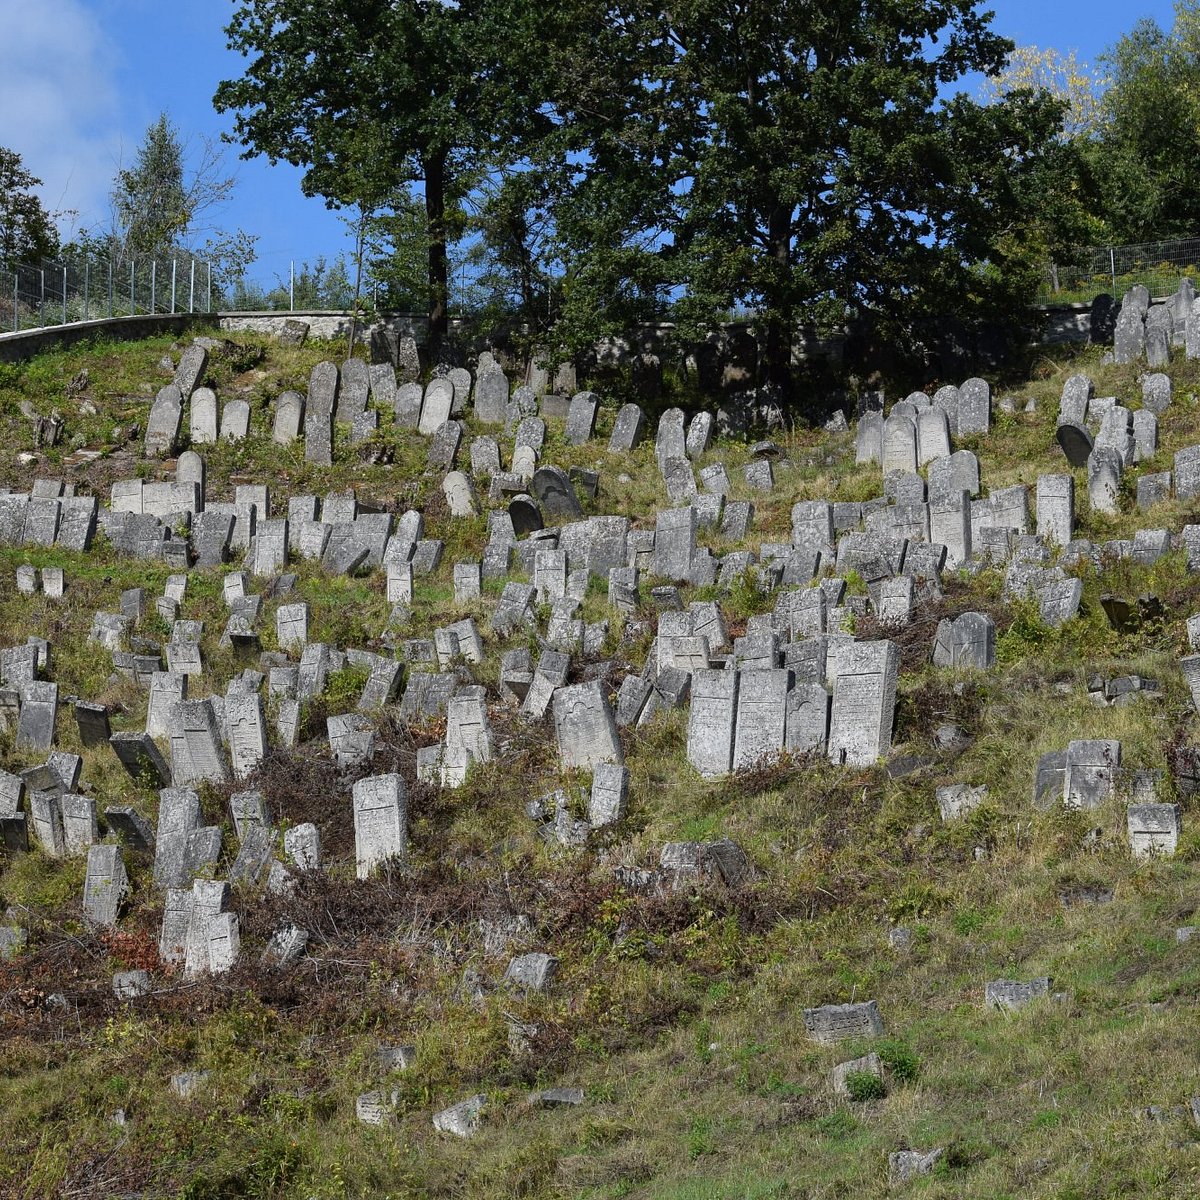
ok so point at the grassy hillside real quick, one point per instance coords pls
(678, 1013)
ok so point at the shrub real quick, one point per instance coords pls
(865, 1085)
(899, 1059)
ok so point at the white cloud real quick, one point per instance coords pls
(59, 103)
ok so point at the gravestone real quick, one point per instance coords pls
(933, 437)
(380, 822)
(554, 492)
(1055, 508)
(1129, 337)
(235, 421)
(289, 418)
(192, 363)
(491, 396)
(167, 688)
(1153, 829)
(864, 700)
(584, 726)
(899, 444)
(468, 736)
(832, 1023)
(760, 723)
(105, 885)
(409, 400)
(354, 387)
(178, 818)
(674, 542)
(581, 418)
(141, 758)
(1105, 469)
(162, 425)
(197, 755)
(1187, 473)
(1092, 770)
(974, 408)
(948, 399)
(1009, 995)
(247, 732)
(351, 740)
(39, 708)
(670, 441)
(1156, 392)
(202, 428)
(1076, 443)
(628, 429)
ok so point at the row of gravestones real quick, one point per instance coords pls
(1147, 330)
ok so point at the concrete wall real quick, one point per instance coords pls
(16, 347)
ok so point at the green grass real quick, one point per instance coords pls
(679, 1015)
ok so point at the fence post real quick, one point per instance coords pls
(42, 298)
(292, 285)
(64, 293)
(112, 291)
(208, 291)
(16, 300)
(172, 285)
(153, 285)
(1112, 267)
(87, 279)
(131, 301)
(192, 289)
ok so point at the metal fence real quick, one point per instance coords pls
(89, 288)
(1113, 270)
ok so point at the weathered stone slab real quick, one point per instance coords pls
(585, 728)
(864, 699)
(105, 885)
(832, 1023)
(197, 755)
(380, 821)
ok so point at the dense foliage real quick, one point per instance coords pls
(802, 161)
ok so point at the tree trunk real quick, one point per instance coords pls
(779, 331)
(439, 290)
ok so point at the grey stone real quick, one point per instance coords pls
(1009, 995)
(380, 821)
(864, 698)
(832, 1023)
(105, 885)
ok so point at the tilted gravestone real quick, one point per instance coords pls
(197, 755)
(554, 492)
(468, 736)
(105, 885)
(163, 424)
(628, 429)
(491, 396)
(192, 364)
(354, 386)
(581, 418)
(584, 726)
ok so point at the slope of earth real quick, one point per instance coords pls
(679, 1003)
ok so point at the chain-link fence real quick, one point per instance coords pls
(1115, 269)
(90, 288)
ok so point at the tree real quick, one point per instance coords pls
(371, 96)
(830, 180)
(1079, 87)
(163, 204)
(1148, 156)
(27, 232)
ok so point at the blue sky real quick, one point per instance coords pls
(80, 80)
